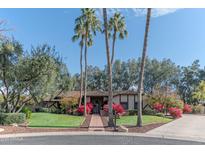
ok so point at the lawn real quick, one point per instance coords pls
(147, 119)
(54, 120)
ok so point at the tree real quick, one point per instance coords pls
(109, 65)
(95, 78)
(141, 77)
(92, 25)
(10, 53)
(199, 93)
(187, 81)
(80, 34)
(117, 25)
(55, 78)
(159, 73)
(26, 77)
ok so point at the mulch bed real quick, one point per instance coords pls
(22, 129)
(132, 129)
(13, 129)
(143, 129)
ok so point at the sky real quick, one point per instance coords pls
(177, 34)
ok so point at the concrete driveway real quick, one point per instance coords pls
(189, 126)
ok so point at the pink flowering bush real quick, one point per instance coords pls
(158, 107)
(175, 112)
(187, 108)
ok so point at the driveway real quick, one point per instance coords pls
(189, 126)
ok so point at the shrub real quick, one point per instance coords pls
(187, 108)
(158, 107)
(27, 111)
(89, 108)
(175, 112)
(118, 108)
(163, 103)
(175, 104)
(10, 118)
(199, 109)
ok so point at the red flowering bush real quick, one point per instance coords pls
(175, 112)
(158, 107)
(89, 108)
(118, 108)
(187, 108)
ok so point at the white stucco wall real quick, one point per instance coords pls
(136, 98)
(116, 99)
(124, 98)
(131, 102)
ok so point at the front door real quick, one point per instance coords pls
(97, 104)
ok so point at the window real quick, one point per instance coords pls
(135, 105)
(124, 105)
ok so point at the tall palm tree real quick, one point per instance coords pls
(110, 98)
(141, 79)
(117, 25)
(91, 24)
(80, 34)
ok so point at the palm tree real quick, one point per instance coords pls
(80, 34)
(117, 25)
(110, 98)
(140, 86)
(91, 25)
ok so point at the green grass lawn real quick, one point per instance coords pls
(54, 120)
(147, 119)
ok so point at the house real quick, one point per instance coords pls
(128, 99)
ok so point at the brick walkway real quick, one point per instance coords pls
(96, 123)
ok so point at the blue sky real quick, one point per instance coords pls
(177, 34)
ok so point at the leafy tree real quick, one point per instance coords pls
(159, 73)
(10, 86)
(187, 81)
(199, 93)
(26, 77)
(53, 74)
(96, 78)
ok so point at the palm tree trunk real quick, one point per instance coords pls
(81, 74)
(85, 78)
(110, 98)
(113, 47)
(141, 79)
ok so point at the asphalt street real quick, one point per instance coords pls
(93, 140)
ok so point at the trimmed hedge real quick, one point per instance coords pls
(10, 118)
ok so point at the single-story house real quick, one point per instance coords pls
(128, 99)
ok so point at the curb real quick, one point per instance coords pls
(184, 138)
